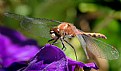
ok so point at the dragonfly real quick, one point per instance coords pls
(60, 30)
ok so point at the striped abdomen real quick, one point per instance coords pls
(97, 35)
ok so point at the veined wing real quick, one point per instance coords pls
(37, 26)
(95, 46)
(101, 49)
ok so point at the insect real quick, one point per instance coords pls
(61, 30)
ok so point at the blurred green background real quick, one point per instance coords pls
(89, 15)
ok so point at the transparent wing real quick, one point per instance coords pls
(37, 26)
(100, 49)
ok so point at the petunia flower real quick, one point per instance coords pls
(51, 58)
(14, 47)
(15, 50)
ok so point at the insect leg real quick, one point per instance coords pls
(55, 41)
(72, 48)
(50, 40)
(63, 48)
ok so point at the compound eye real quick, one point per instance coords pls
(53, 35)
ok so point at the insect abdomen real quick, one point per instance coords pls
(97, 35)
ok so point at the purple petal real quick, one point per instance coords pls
(50, 53)
(59, 65)
(10, 52)
(12, 34)
(72, 65)
(16, 37)
(50, 58)
(91, 65)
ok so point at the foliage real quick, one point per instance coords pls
(91, 16)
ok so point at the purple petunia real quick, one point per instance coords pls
(19, 53)
(51, 58)
(14, 47)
